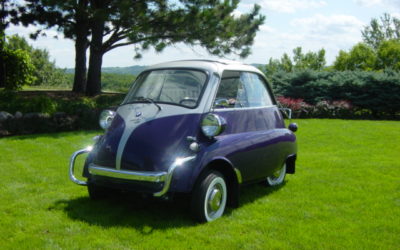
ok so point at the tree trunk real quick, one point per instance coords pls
(93, 86)
(2, 65)
(81, 45)
(80, 66)
(2, 44)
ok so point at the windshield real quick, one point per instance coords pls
(173, 86)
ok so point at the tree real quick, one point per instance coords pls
(8, 15)
(18, 67)
(45, 71)
(388, 55)
(360, 57)
(71, 17)
(386, 28)
(286, 63)
(310, 60)
(146, 24)
(158, 24)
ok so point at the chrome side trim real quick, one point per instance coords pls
(127, 175)
(72, 165)
(244, 108)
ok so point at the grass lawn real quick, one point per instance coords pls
(344, 195)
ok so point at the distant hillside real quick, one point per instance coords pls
(132, 70)
(257, 65)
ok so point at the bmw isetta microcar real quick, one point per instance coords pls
(197, 127)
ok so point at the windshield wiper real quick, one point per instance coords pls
(141, 98)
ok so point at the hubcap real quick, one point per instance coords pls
(276, 174)
(214, 200)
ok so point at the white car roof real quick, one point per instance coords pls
(217, 66)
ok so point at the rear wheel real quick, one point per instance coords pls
(209, 197)
(277, 177)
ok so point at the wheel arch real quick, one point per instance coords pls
(232, 177)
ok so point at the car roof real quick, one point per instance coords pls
(217, 66)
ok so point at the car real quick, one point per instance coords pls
(198, 127)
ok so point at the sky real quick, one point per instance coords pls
(310, 24)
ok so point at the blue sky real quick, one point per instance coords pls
(311, 24)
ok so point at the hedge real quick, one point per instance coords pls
(374, 93)
(40, 113)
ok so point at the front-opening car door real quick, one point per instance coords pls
(253, 123)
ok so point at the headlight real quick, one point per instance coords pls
(212, 125)
(106, 118)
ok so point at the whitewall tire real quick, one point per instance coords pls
(277, 177)
(209, 197)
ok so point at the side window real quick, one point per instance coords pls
(257, 93)
(241, 90)
(231, 91)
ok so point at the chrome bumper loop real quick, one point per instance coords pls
(72, 165)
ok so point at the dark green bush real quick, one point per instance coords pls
(377, 93)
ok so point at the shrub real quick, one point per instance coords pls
(322, 109)
(18, 69)
(298, 106)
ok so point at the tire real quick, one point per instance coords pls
(209, 197)
(277, 177)
(97, 192)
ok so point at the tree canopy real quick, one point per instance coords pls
(365, 58)
(301, 61)
(8, 14)
(360, 57)
(382, 29)
(103, 25)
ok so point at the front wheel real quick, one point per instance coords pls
(209, 197)
(277, 177)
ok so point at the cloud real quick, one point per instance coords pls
(368, 3)
(329, 25)
(333, 33)
(392, 4)
(291, 6)
(266, 28)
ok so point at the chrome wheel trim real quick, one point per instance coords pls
(277, 177)
(215, 200)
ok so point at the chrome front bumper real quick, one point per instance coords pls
(145, 176)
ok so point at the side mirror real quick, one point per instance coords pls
(293, 127)
(287, 112)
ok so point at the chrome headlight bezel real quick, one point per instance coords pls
(106, 118)
(212, 125)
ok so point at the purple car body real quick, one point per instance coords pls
(159, 143)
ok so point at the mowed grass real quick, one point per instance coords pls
(345, 195)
